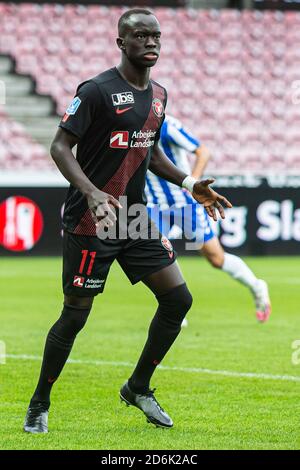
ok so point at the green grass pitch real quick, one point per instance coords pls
(210, 409)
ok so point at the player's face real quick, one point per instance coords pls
(142, 41)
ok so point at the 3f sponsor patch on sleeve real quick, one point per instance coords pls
(72, 108)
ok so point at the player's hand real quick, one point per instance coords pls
(210, 199)
(102, 206)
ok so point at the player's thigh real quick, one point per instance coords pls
(81, 302)
(164, 280)
(144, 256)
(152, 261)
(86, 264)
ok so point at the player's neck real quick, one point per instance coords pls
(136, 77)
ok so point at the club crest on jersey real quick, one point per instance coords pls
(125, 97)
(119, 140)
(167, 245)
(157, 107)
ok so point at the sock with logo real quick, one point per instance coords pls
(58, 346)
(164, 329)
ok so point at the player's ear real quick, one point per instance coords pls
(121, 44)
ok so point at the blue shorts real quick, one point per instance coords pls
(191, 221)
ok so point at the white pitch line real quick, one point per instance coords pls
(225, 373)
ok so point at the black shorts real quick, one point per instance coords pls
(87, 260)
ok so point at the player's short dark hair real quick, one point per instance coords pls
(123, 20)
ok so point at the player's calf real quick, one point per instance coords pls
(163, 331)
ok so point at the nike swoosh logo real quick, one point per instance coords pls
(123, 110)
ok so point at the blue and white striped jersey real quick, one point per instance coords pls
(176, 142)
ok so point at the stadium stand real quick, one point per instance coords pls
(17, 149)
(229, 73)
(23, 160)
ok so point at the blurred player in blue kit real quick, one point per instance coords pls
(167, 204)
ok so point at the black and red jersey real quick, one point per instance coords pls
(117, 126)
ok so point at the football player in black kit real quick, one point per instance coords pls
(115, 119)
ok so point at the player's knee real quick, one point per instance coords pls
(73, 319)
(185, 299)
(176, 303)
(216, 261)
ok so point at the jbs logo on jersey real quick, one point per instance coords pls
(122, 98)
(119, 140)
(78, 281)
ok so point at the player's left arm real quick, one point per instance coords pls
(202, 157)
(162, 166)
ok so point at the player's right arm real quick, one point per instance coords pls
(61, 152)
(80, 115)
(98, 201)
